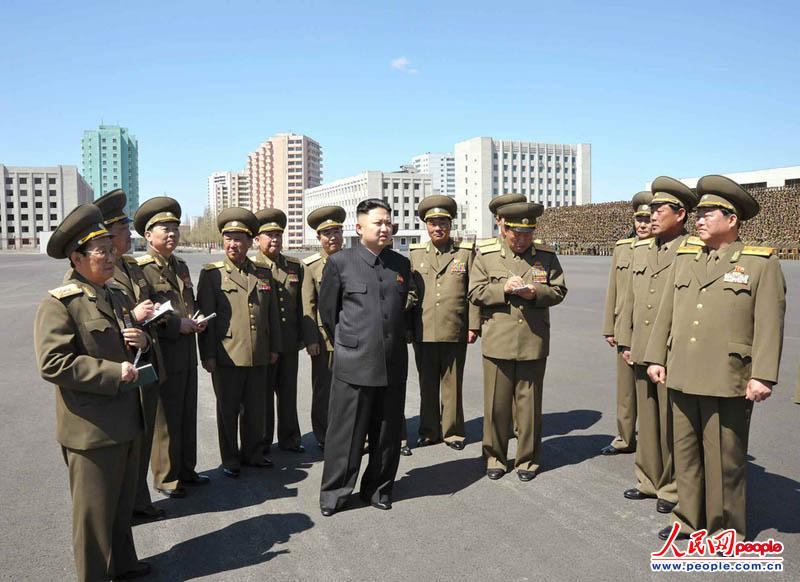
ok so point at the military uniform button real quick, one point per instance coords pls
(655, 276)
(695, 322)
(438, 294)
(692, 339)
(703, 290)
(252, 327)
(282, 309)
(649, 307)
(283, 319)
(437, 304)
(699, 306)
(652, 290)
(647, 322)
(519, 320)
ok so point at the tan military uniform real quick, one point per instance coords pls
(282, 380)
(797, 388)
(618, 283)
(79, 347)
(515, 340)
(719, 325)
(247, 328)
(315, 333)
(654, 469)
(442, 318)
(174, 454)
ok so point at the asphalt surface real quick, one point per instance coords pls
(448, 522)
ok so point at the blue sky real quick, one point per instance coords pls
(677, 88)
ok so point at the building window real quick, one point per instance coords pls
(10, 204)
(53, 205)
(51, 180)
(37, 180)
(23, 180)
(23, 204)
(9, 180)
(54, 217)
(9, 192)
(51, 192)
(37, 192)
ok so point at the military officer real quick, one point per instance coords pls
(719, 334)
(652, 258)
(444, 322)
(515, 282)
(128, 275)
(282, 377)
(174, 454)
(618, 281)
(84, 347)
(327, 222)
(240, 342)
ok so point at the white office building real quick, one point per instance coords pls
(226, 189)
(769, 178)
(36, 200)
(402, 190)
(442, 169)
(552, 174)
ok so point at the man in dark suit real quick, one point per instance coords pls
(364, 303)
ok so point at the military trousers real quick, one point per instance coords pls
(711, 435)
(102, 483)
(506, 382)
(149, 398)
(354, 413)
(282, 394)
(441, 376)
(653, 465)
(625, 440)
(321, 375)
(241, 395)
(174, 454)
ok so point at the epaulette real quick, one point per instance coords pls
(685, 249)
(417, 246)
(538, 241)
(645, 241)
(625, 241)
(66, 291)
(466, 245)
(214, 265)
(493, 248)
(758, 251)
(294, 260)
(486, 241)
(694, 240)
(540, 246)
(130, 259)
(145, 260)
(310, 260)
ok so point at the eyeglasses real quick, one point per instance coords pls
(102, 252)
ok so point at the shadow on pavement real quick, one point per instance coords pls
(561, 423)
(241, 544)
(772, 501)
(561, 451)
(445, 478)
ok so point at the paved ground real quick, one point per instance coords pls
(448, 521)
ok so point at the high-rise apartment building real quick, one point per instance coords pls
(226, 189)
(551, 174)
(442, 169)
(402, 190)
(109, 160)
(280, 171)
(36, 200)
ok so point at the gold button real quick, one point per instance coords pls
(695, 322)
(282, 309)
(519, 321)
(691, 339)
(438, 284)
(437, 303)
(649, 306)
(655, 276)
(699, 306)
(281, 299)
(647, 322)
(252, 327)
(283, 319)
(438, 294)
(652, 290)
(522, 308)
(703, 290)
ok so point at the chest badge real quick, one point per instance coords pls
(458, 266)
(264, 286)
(538, 273)
(737, 275)
(400, 279)
(292, 277)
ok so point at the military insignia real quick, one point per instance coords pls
(187, 282)
(538, 275)
(400, 279)
(737, 275)
(293, 278)
(141, 283)
(264, 286)
(458, 266)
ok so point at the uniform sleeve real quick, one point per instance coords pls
(275, 327)
(554, 291)
(301, 275)
(625, 334)
(656, 350)
(206, 301)
(59, 358)
(308, 293)
(611, 297)
(330, 297)
(482, 291)
(768, 316)
(473, 311)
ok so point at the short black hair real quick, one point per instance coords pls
(370, 203)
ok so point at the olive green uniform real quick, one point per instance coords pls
(315, 333)
(652, 261)
(618, 282)
(720, 324)
(79, 347)
(515, 340)
(240, 338)
(282, 378)
(174, 453)
(442, 318)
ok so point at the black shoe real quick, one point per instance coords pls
(636, 495)
(297, 449)
(495, 474)
(176, 493)
(526, 476)
(663, 506)
(232, 473)
(610, 450)
(384, 505)
(327, 511)
(150, 513)
(457, 445)
(664, 534)
(141, 569)
(425, 442)
(405, 451)
(196, 480)
(263, 463)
